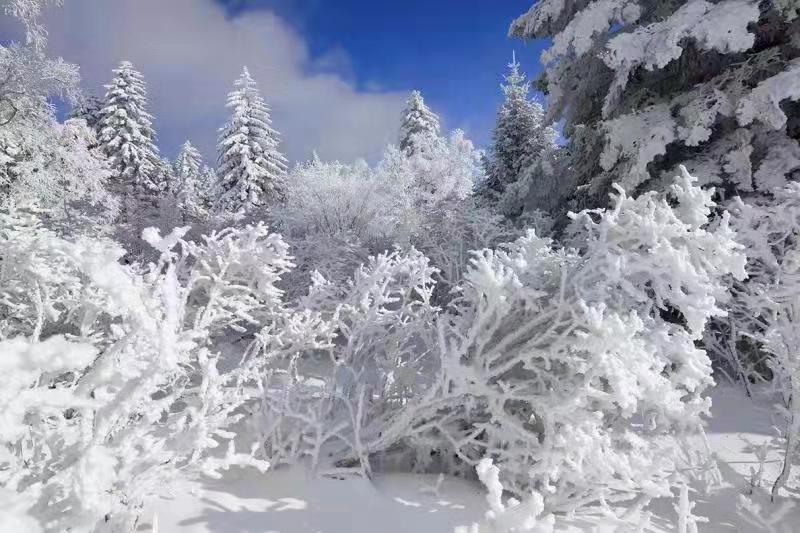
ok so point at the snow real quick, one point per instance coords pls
(657, 44)
(392, 347)
(290, 501)
(763, 103)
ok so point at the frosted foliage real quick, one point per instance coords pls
(335, 199)
(638, 138)
(55, 167)
(515, 339)
(439, 168)
(650, 85)
(251, 167)
(368, 365)
(27, 79)
(657, 44)
(763, 103)
(542, 17)
(729, 158)
(125, 132)
(766, 309)
(782, 157)
(418, 120)
(115, 390)
(191, 187)
(29, 12)
(521, 141)
(559, 364)
(512, 516)
(580, 34)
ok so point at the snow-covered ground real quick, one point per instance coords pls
(289, 501)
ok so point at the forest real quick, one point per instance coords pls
(592, 323)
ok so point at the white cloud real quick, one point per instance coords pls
(190, 53)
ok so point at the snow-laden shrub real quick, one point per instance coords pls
(765, 310)
(129, 394)
(576, 370)
(334, 257)
(38, 284)
(438, 169)
(513, 515)
(452, 230)
(337, 200)
(423, 197)
(370, 361)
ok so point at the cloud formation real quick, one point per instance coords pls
(190, 53)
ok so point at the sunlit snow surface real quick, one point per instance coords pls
(289, 501)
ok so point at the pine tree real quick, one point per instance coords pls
(125, 132)
(520, 136)
(208, 187)
(89, 110)
(644, 86)
(417, 120)
(188, 179)
(251, 168)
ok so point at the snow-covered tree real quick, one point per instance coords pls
(55, 167)
(335, 199)
(88, 109)
(439, 169)
(643, 86)
(417, 120)
(190, 186)
(44, 164)
(520, 140)
(126, 135)
(251, 168)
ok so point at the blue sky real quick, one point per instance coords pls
(336, 74)
(455, 51)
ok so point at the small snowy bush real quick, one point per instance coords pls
(128, 394)
(368, 362)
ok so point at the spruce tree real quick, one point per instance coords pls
(417, 120)
(125, 133)
(89, 109)
(187, 171)
(520, 138)
(208, 187)
(251, 168)
(642, 86)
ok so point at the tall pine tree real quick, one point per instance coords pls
(417, 120)
(520, 138)
(125, 132)
(251, 168)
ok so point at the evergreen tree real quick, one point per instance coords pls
(251, 168)
(208, 187)
(519, 140)
(89, 109)
(188, 179)
(126, 135)
(642, 86)
(417, 120)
